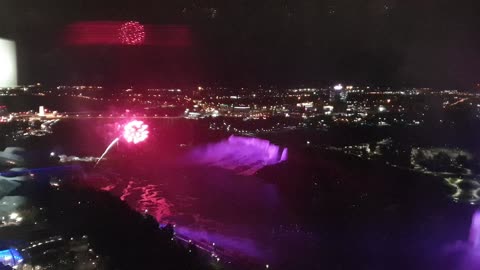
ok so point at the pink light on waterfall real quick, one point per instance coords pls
(135, 131)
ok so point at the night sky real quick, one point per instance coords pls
(425, 43)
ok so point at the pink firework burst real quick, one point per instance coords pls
(132, 33)
(135, 131)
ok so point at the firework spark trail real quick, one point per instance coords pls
(106, 151)
(133, 132)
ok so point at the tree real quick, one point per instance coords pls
(420, 156)
(168, 230)
(441, 161)
(372, 146)
(461, 160)
(421, 159)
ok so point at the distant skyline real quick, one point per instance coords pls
(380, 42)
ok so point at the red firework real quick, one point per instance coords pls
(135, 132)
(132, 33)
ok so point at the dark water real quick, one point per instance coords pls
(245, 216)
(211, 205)
(318, 210)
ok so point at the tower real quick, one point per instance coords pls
(338, 92)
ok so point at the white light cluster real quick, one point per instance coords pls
(8, 63)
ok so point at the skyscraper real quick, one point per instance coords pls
(338, 93)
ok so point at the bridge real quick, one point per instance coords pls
(92, 115)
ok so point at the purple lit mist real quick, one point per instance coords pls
(229, 245)
(243, 155)
(475, 231)
(467, 253)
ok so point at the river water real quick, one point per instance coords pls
(320, 210)
(210, 205)
(244, 215)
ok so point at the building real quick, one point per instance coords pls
(10, 257)
(338, 93)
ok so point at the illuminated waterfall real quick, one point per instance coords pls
(244, 155)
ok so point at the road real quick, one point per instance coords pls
(92, 116)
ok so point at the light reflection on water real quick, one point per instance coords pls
(464, 190)
(207, 205)
(149, 201)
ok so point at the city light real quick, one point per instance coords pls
(338, 87)
(10, 257)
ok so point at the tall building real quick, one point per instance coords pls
(338, 93)
(338, 98)
(41, 111)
